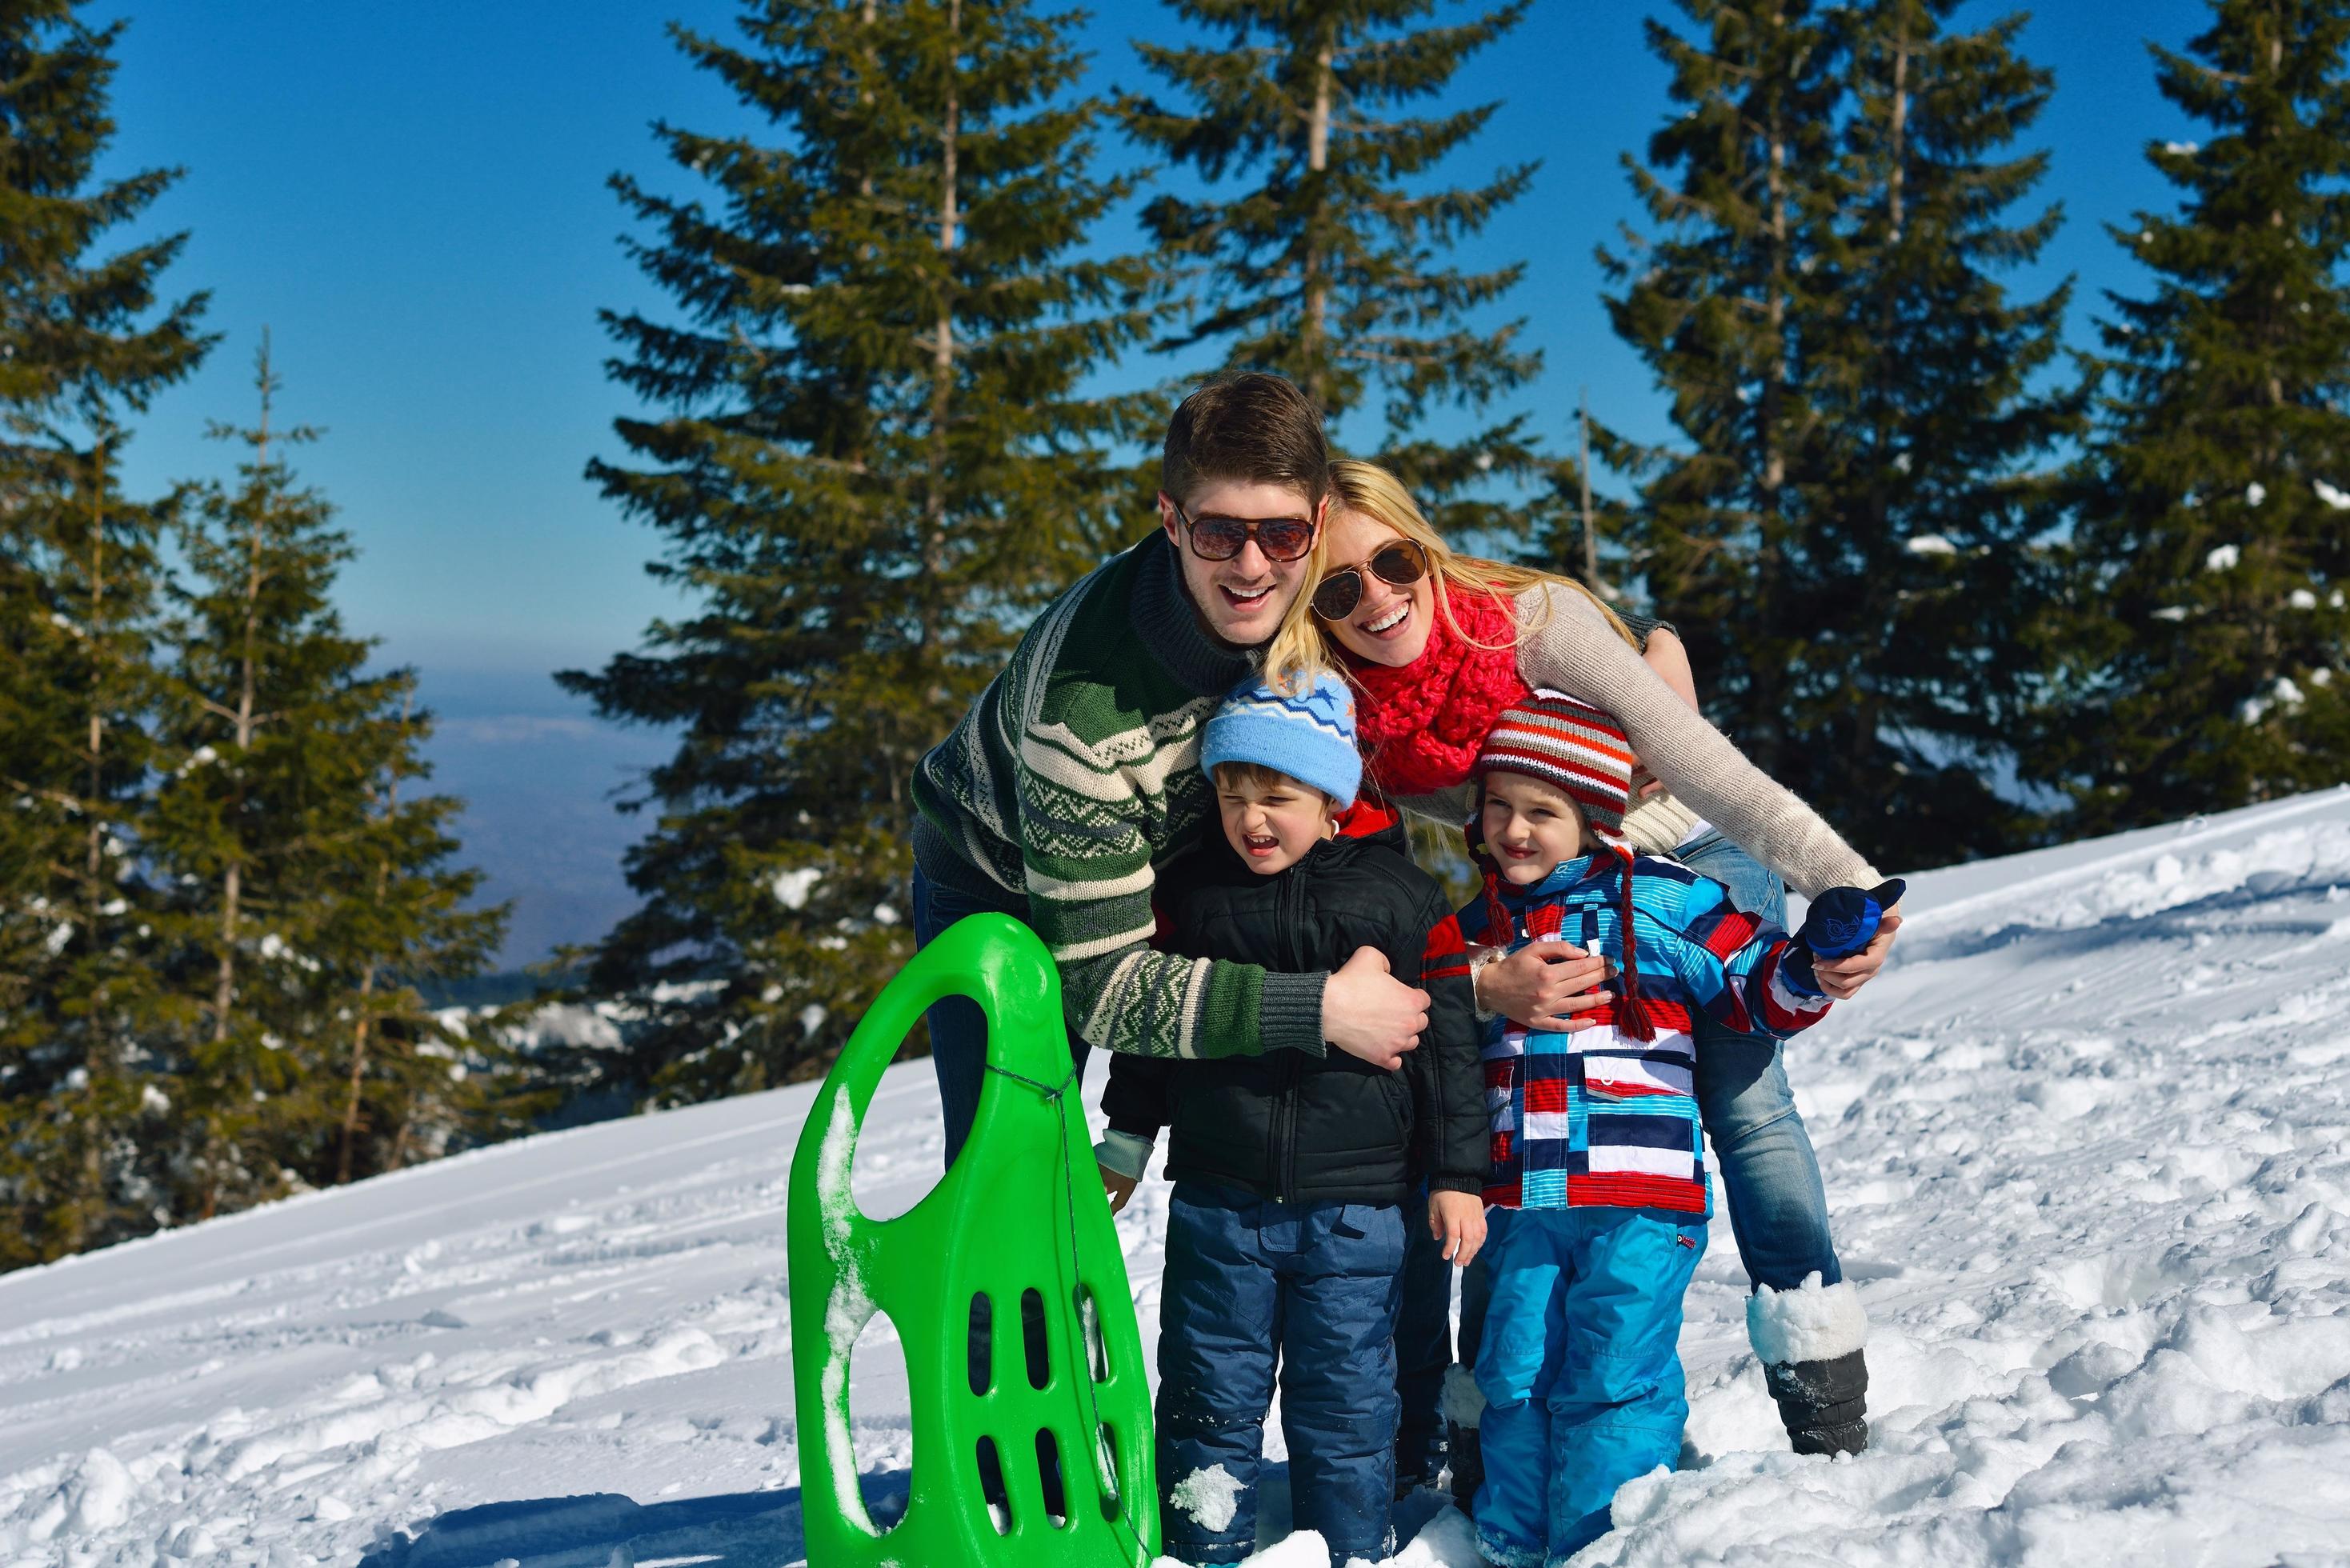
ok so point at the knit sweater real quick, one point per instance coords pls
(1599, 1118)
(1574, 651)
(1073, 779)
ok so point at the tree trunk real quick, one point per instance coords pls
(1314, 351)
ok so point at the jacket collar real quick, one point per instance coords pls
(1566, 874)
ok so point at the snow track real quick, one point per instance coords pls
(2087, 1143)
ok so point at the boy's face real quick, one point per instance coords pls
(1271, 824)
(1242, 600)
(1529, 827)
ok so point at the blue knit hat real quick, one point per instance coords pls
(1309, 736)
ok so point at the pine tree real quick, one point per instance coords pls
(1743, 186)
(287, 854)
(1922, 547)
(876, 458)
(1846, 542)
(1329, 267)
(2202, 632)
(84, 344)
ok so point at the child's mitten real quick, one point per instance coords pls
(1840, 922)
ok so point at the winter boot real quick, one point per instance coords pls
(1464, 1407)
(1810, 1342)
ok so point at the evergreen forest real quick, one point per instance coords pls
(1971, 565)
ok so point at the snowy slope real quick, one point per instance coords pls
(2087, 1143)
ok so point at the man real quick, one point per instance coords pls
(1074, 776)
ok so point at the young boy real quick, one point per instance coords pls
(1598, 1181)
(1285, 1229)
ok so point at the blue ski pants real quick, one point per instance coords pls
(1251, 1283)
(1581, 1371)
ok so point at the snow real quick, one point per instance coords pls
(1211, 1497)
(2337, 499)
(2254, 493)
(1930, 544)
(2223, 557)
(2087, 1143)
(793, 887)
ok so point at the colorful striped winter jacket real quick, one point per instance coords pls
(1598, 1118)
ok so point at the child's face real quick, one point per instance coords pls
(1270, 823)
(1529, 827)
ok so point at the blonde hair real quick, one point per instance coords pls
(1302, 646)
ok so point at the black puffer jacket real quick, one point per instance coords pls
(1289, 1126)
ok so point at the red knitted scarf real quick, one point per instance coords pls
(1420, 725)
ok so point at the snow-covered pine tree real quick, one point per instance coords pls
(878, 455)
(1920, 538)
(286, 865)
(2203, 630)
(1329, 264)
(84, 344)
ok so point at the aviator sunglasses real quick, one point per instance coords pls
(1398, 563)
(1221, 538)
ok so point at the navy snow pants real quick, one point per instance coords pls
(1253, 1284)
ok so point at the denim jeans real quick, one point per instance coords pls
(958, 1026)
(1770, 1177)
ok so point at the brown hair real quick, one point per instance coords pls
(1246, 426)
(1257, 775)
(1302, 645)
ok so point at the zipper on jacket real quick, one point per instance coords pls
(1293, 919)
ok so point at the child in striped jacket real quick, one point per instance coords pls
(1597, 1177)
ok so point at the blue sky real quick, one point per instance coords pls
(412, 198)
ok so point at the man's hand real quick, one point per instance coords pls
(1843, 978)
(1370, 1013)
(1119, 1188)
(1457, 1220)
(1543, 985)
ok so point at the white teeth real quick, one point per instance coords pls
(1249, 596)
(1393, 617)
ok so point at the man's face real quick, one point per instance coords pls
(1240, 600)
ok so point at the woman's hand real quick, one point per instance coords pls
(1843, 978)
(1545, 984)
(1457, 1220)
(1119, 1188)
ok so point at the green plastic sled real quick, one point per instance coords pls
(1020, 1210)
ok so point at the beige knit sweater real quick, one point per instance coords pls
(1575, 651)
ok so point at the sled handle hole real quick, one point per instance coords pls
(1107, 1455)
(1031, 1336)
(1089, 1321)
(983, 1342)
(991, 1490)
(1048, 1468)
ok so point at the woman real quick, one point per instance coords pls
(1436, 644)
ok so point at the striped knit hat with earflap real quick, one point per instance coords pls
(1576, 748)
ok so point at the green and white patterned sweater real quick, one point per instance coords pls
(1072, 780)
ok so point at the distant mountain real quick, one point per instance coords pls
(539, 776)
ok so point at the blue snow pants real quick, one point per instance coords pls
(1250, 1282)
(1581, 1371)
(1423, 1341)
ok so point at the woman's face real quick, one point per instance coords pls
(1389, 625)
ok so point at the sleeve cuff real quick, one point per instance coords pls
(1471, 1185)
(1289, 1013)
(1125, 1153)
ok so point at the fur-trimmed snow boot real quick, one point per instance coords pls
(1464, 1407)
(1810, 1341)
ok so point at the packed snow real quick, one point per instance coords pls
(2087, 1143)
